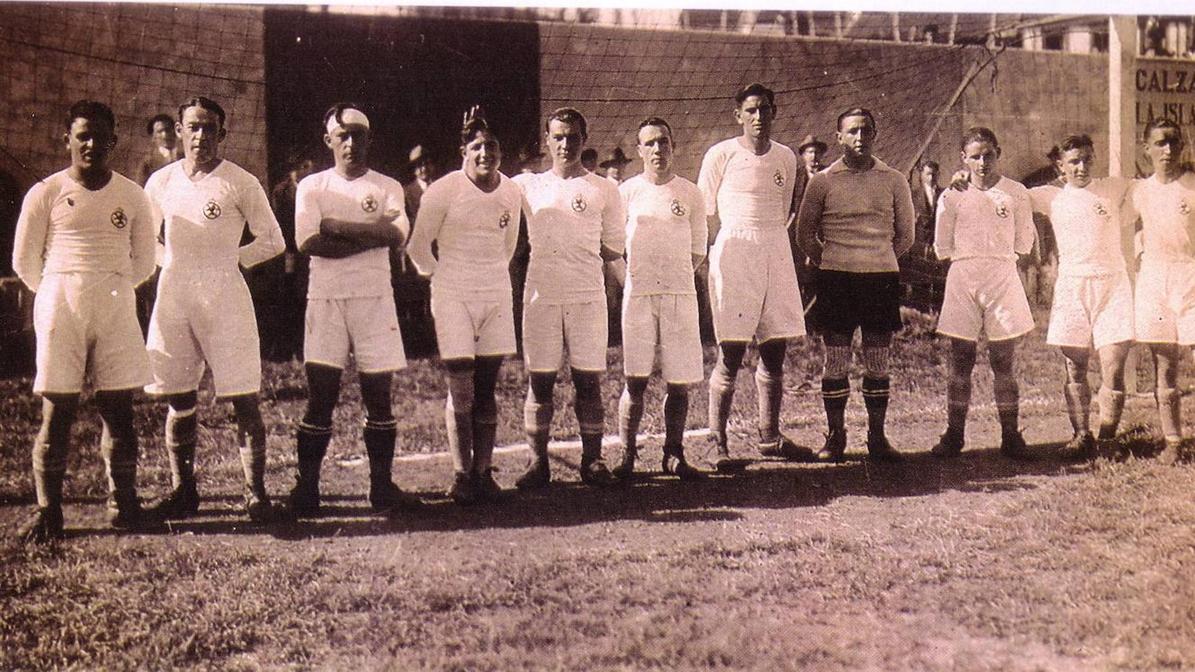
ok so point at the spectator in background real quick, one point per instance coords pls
(615, 165)
(925, 202)
(281, 314)
(423, 169)
(161, 132)
(1040, 269)
(164, 136)
(811, 150)
(412, 294)
(589, 159)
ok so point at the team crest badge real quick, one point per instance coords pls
(211, 210)
(1101, 210)
(119, 219)
(1001, 210)
(579, 204)
(678, 208)
(1184, 208)
(504, 220)
(369, 203)
(778, 178)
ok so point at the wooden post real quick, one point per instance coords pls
(1122, 131)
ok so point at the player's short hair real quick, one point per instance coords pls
(1160, 122)
(1074, 142)
(653, 121)
(568, 115)
(755, 89)
(979, 134)
(153, 121)
(204, 103)
(90, 110)
(858, 112)
(931, 164)
(1055, 153)
(337, 111)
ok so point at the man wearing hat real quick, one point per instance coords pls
(589, 159)
(615, 165)
(422, 168)
(811, 150)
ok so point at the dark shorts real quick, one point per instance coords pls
(847, 301)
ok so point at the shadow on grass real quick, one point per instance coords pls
(653, 498)
(649, 498)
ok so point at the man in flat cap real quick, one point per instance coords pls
(615, 165)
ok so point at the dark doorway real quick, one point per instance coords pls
(415, 77)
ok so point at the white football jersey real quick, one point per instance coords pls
(666, 225)
(1167, 217)
(568, 222)
(994, 223)
(1088, 224)
(65, 228)
(475, 233)
(205, 219)
(329, 195)
(747, 190)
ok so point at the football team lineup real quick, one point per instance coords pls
(758, 217)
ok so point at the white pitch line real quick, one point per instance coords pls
(518, 447)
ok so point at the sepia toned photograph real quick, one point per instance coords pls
(416, 337)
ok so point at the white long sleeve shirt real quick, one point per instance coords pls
(66, 228)
(995, 223)
(568, 222)
(745, 189)
(1089, 223)
(329, 195)
(666, 226)
(1167, 217)
(475, 234)
(205, 219)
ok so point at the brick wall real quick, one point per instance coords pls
(140, 60)
(1036, 99)
(618, 76)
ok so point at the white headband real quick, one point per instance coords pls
(349, 116)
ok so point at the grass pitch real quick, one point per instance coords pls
(971, 564)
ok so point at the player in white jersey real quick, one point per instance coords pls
(1093, 299)
(575, 221)
(855, 221)
(666, 240)
(347, 218)
(748, 182)
(204, 313)
(473, 216)
(981, 231)
(1164, 305)
(84, 239)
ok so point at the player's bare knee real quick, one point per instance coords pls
(587, 384)
(677, 391)
(184, 401)
(962, 356)
(540, 385)
(771, 356)
(730, 357)
(637, 387)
